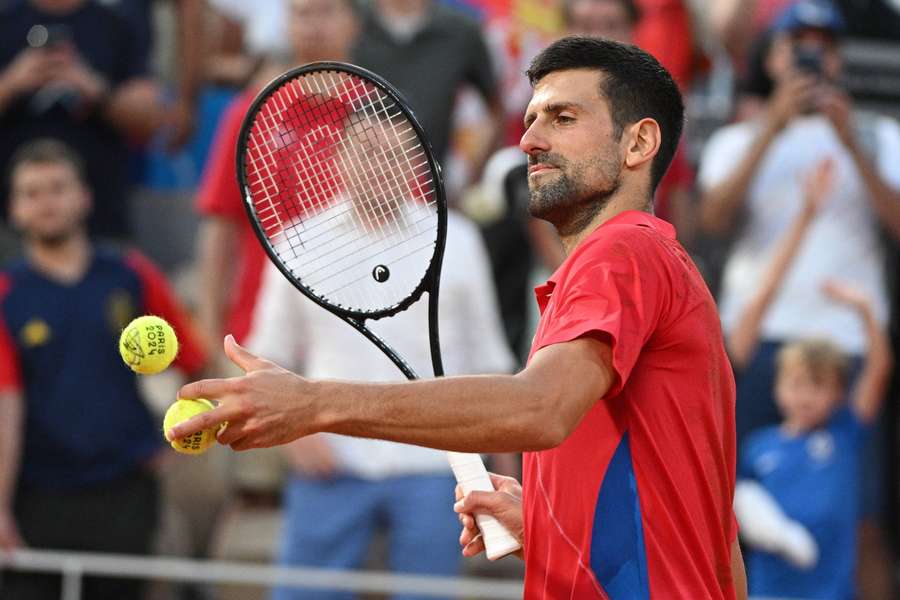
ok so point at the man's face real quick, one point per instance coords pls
(321, 29)
(375, 164)
(600, 18)
(791, 54)
(48, 201)
(803, 400)
(574, 158)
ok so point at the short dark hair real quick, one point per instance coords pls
(630, 6)
(634, 83)
(46, 150)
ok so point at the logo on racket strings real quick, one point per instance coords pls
(381, 273)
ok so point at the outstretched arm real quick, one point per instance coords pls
(743, 341)
(869, 393)
(534, 409)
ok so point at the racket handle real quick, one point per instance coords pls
(472, 476)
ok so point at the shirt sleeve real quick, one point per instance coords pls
(10, 369)
(159, 300)
(615, 291)
(218, 194)
(720, 156)
(278, 326)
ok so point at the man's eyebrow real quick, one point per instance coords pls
(553, 107)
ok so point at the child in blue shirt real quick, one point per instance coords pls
(796, 498)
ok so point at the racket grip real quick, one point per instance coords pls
(472, 476)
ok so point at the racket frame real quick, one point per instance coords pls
(430, 281)
(468, 468)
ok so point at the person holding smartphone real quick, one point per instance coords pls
(750, 178)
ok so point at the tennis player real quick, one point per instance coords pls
(625, 411)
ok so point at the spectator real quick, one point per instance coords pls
(752, 169)
(791, 498)
(403, 39)
(749, 175)
(77, 444)
(73, 69)
(231, 259)
(342, 489)
(737, 23)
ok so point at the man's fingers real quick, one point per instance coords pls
(208, 420)
(481, 502)
(474, 548)
(209, 389)
(242, 357)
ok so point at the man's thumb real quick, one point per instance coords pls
(241, 356)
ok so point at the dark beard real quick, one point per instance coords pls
(566, 202)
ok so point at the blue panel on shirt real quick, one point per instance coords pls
(85, 421)
(815, 479)
(618, 557)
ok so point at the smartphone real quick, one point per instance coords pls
(808, 60)
(49, 36)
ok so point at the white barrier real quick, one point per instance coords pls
(75, 565)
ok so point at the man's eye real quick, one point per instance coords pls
(564, 119)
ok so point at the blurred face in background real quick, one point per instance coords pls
(322, 29)
(600, 18)
(806, 401)
(810, 51)
(375, 161)
(49, 202)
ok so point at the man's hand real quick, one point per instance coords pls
(847, 294)
(836, 105)
(792, 97)
(312, 456)
(504, 504)
(28, 71)
(9, 533)
(266, 407)
(71, 70)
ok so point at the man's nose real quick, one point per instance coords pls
(532, 141)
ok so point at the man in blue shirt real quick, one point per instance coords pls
(77, 443)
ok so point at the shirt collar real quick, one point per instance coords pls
(628, 217)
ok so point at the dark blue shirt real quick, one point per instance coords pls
(85, 420)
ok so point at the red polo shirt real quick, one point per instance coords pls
(636, 502)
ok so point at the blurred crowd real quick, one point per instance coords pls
(118, 126)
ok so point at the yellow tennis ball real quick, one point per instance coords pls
(148, 345)
(182, 410)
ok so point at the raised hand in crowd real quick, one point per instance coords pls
(792, 96)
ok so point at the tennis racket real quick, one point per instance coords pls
(344, 193)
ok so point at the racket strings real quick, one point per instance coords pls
(343, 190)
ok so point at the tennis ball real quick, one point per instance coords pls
(182, 410)
(148, 345)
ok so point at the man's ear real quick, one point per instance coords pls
(643, 140)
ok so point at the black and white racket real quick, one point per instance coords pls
(341, 186)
